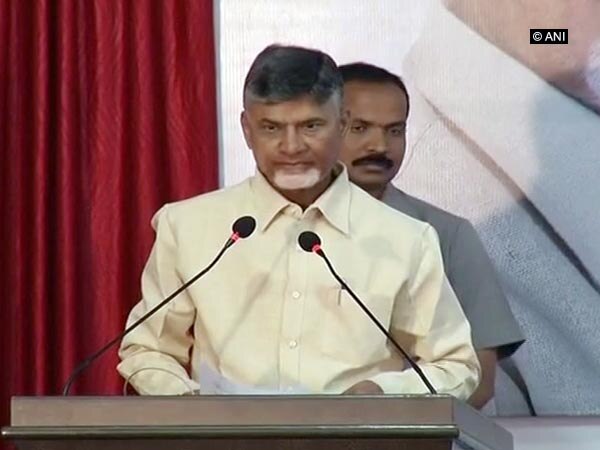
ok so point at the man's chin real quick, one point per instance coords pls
(296, 181)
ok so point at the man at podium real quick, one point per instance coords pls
(271, 315)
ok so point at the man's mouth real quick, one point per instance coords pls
(298, 166)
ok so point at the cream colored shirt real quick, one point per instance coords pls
(271, 315)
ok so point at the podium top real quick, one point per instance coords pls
(354, 415)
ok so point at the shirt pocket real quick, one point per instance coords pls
(347, 332)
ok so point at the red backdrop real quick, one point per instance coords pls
(107, 111)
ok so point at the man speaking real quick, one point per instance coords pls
(269, 314)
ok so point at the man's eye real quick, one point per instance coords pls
(358, 128)
(397, 131)
(312, 126)
(269, 127)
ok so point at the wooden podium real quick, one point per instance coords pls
(252, 423)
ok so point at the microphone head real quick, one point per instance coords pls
(244, 226)
(308, 240)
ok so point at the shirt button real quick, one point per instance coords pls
(293, 344)
(296, 294)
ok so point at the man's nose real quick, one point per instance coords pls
(377, 141)
(292, 142)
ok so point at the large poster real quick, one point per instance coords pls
(503, 130)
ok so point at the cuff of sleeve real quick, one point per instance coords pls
(159, 380)
(399, 383)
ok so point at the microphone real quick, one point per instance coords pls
(311, 242)
(241, 229)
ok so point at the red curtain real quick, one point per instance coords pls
(107, 111)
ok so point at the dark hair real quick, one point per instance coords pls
(281, 73)
(372, 74)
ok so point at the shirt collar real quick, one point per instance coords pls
(501, 103)
(333, 204)
(542, 139)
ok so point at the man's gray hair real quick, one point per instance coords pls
(282, 73)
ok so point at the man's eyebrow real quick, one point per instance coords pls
(265, 120)
(358, 119)
(385, 125)
(396, 124)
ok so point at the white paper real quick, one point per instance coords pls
(213, 382)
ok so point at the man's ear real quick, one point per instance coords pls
(246, 128)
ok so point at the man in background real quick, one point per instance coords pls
(374, 148)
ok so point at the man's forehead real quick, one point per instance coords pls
(363, 91)
(299, 109)
(375, 102)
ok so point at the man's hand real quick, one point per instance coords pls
(365, 387)
(488, 359)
